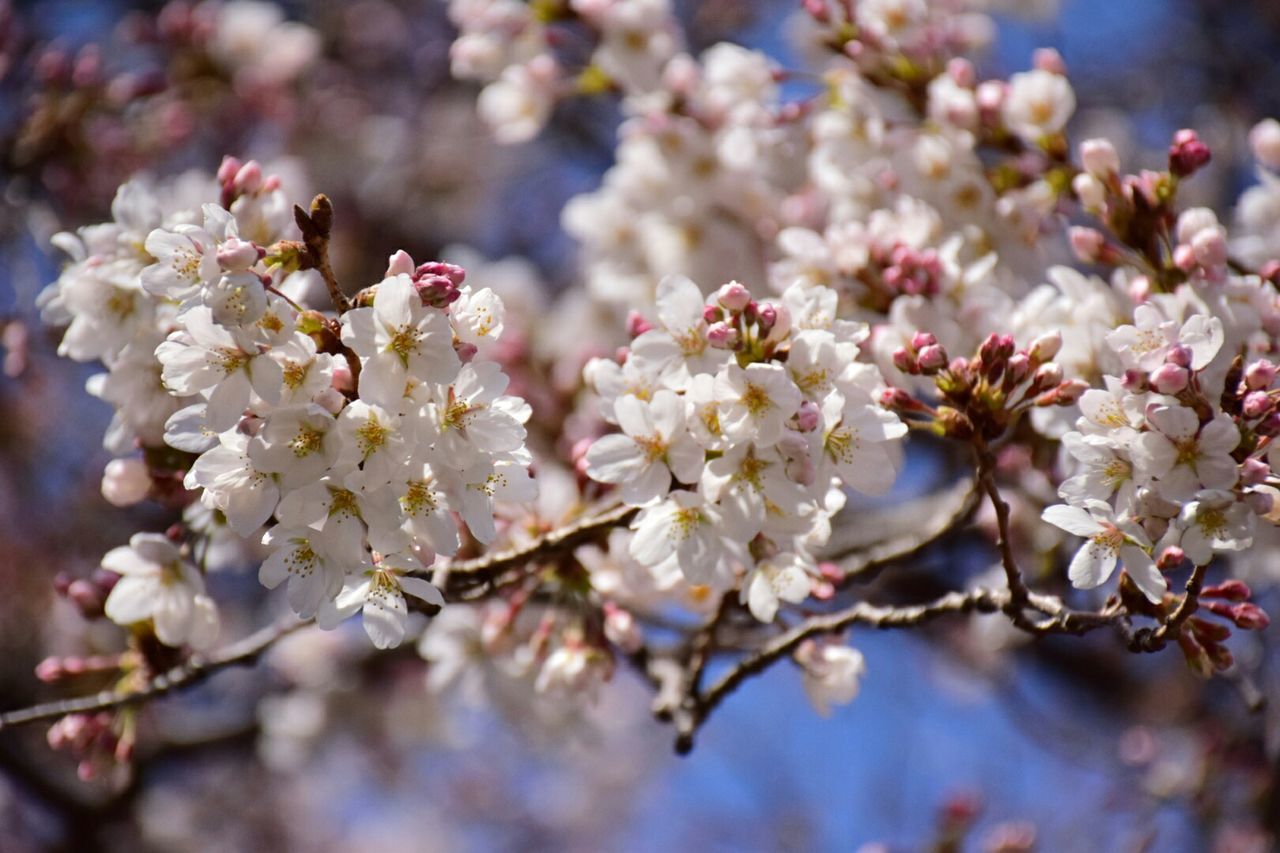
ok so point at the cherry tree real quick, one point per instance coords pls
(792, 283)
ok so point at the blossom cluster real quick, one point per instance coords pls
(349, 445)
(739, 422)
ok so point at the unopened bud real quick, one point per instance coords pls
(712, 314)
(1064, 395)
(228, 169)
(1231, 590)
(808, 416)
(1045, 347)
(767, 317)
(920, 340)
(905, 361)
(126, 481)
(723, 336)
(1187, 154)
(1090, 191)
(1259, 375)
(1256, 404)
(1170, 558)
(1170, 379)
(1099, 158)
(236, 255)
(1089, 244)
(733, 297)
(1048, 59)
(1250, 616)
(637, 325)
(1264, 141)
(1049, 374)
(249, 179)
(932, 358)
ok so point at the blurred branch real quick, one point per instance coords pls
(193, 671)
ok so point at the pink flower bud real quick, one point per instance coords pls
(1170, 379)
(237, 255)
(637, 325)
(1181, 355)
(249, 179)
(1184, 257)
(454, 273)
(722, 336)
(1264, 141)
(712, 314)
(87, 597)
(1099, 158)
(125, 482)
(733, 297)
(896, 398)
(1046, 346)
(1064, 395)
(1018, 369)
(1187, 154)
(1048, 59)
(466, 351)
(1048, 374)
(1170, 558)
(905, 361)
(1254, 471)
(1087, 243)
(808, 416)
(1090, 191)
(1231, 590)
(920, 340)
(342, 379)
(990, 95)
(227, 171)
(1210, 247)
(50, 670)
(767, 317)
(1256, 404)
(1259, 375)
(1250, 617)
(962, 72)
(932, 358)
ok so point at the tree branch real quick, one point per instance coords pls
(193, 671)
(469, 580)
(1063, 621)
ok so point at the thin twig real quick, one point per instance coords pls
(1153, 640)
(196, 669)
(1019, 594)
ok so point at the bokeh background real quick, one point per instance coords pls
(961, 736)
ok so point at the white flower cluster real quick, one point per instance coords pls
(1153, 453)
(739, 422)
(188, 308)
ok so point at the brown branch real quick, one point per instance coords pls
(1155, 639)
(927, 519)
(469, 580)
(1063, 621)
(1019, 594)
(193, 671)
